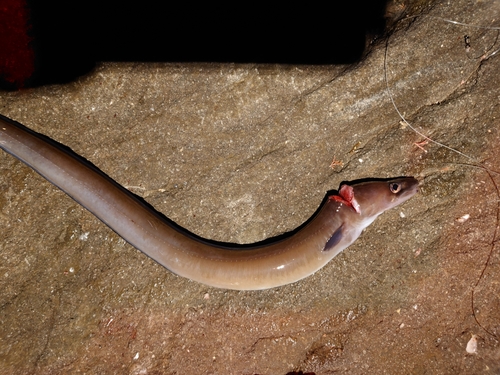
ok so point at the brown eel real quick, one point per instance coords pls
(267, 264)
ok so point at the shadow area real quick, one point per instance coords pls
(67, 39)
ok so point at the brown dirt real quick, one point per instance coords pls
(240, 153)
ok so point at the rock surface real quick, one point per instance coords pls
(240, 153)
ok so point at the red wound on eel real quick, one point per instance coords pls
(346, 196)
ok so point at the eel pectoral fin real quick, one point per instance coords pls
(335, 238)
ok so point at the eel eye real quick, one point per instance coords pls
(395, 187)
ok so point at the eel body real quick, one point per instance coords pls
(271, 263)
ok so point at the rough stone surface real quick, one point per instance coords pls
(240, 153)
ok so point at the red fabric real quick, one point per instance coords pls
(17, 58)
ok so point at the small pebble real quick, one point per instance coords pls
(472, 345)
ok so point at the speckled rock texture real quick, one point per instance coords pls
(243, 152)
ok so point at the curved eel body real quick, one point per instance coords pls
(336, 224)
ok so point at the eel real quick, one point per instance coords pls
(281, 260)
